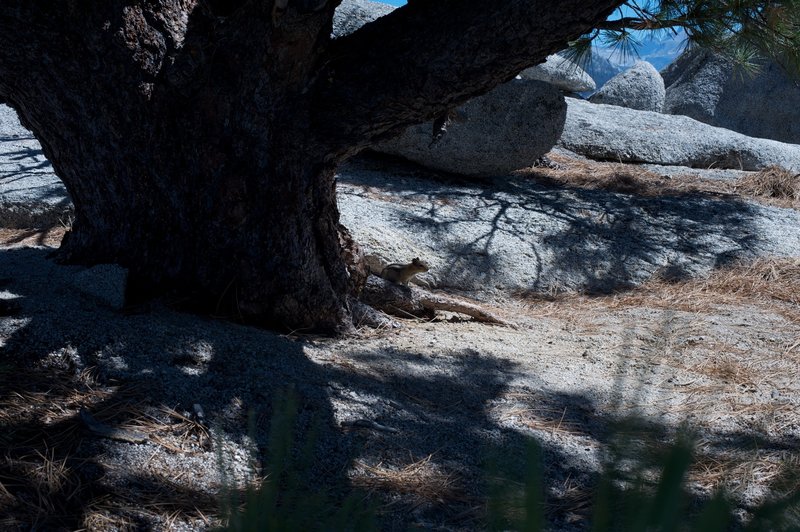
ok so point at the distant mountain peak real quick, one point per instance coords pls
(658, 50)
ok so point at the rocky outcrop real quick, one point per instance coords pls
(352, 14)
(562, 73)
(614, 133)
(709, 88)
(640, 87)
(694, 84)
(494, 134)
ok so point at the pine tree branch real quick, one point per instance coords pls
(641, 24)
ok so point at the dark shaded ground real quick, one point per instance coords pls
(449, 389)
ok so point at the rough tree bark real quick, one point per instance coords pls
(199, 138)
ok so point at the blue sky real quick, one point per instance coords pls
(626, 11)
(403, 2)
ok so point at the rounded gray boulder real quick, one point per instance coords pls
(709, 88)
(562, 73)
(494, 134)
(640, 87)
(608, 132)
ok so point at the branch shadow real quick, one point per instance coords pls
(33, 196)
(530, 236)
(22, 158)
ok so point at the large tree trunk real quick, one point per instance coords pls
(198, 139)
(203, 179)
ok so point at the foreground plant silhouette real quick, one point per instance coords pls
(285, 500)
(643, 487)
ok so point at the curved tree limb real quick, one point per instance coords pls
(430, 56)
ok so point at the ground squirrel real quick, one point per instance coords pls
(402, 273)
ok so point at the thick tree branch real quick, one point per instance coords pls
(636, 23)
(429, 56)
(622, 24)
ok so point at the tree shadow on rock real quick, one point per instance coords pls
(33, 196)
(519, 234)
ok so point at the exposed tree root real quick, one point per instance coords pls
(410, 301)
(364, 315)
(451, 304)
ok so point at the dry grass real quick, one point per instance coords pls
(37, 489)
(422, 480)
(742, 379)
(152, 495)
(769, 283)
(728, 368)
(49, 474)
(774, 183)
(530, 410)
(772, 186)
(49, 236)
(763, 280)
(735, 471)
(40, 403)
(184, 429)
(546, 420)
(625, 179)
(574, 501)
